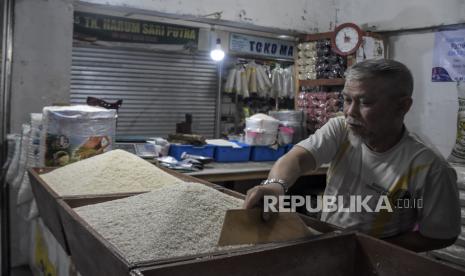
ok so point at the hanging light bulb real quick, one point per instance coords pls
(217, 54)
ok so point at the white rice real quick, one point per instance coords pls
(116, 171)
(173, 221)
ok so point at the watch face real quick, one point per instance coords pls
(347, 39)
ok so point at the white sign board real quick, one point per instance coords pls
(261, 46)
(449, 56)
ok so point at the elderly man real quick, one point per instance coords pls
(373, 155)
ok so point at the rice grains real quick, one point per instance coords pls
(116, 171)
(173, 221)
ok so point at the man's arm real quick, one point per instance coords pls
(419, 243)
(288, 168)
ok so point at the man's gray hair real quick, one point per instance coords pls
(394, 77)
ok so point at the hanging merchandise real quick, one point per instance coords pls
(276, 81)
(244, 84)
(229, 86)
(288, 83)
(257, 86)
(237, 82)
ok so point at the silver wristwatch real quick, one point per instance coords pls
(277, 181)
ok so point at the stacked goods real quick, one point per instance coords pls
(316, 60)
(319, 107)
(173, 221)
(261, 130)
(73, 133)
(291, 125)
(116, 171)
(306, 60)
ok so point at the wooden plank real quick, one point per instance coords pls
(321, 256)
(46, 200)
(395, 260)
(91, 253)
(85, 243)
(344, 254)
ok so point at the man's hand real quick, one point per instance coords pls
(255, 195)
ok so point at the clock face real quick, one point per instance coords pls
(347, 39)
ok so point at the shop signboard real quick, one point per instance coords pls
(261, 46)
(92, 27)
(449, 56)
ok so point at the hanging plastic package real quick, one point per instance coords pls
(266, 78)
(26, 135)
(276, 81)
(14, 163)
(253, 80)
(458, 152)
(73, 133)
(261, 88)
(288, 83)
(237, 82)
(244, 84)
(229, 86)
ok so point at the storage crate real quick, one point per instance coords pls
(266, 153)
(229, 154)
(206, 150)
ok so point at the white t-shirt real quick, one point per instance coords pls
(407, 170)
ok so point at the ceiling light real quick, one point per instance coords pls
(217, 54)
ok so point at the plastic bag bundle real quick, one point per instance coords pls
(277, 81)
(25, 198)
(261, 129)
(319, 107)
(291, 125)
(288, 83)
(247, 79)
(25, 137)
(15, 151)
(36, 151)
(73, 133)
(458, 152)
(229, 85)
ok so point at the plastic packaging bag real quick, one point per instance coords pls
(73, 133)
(14, 163)
(458, 152)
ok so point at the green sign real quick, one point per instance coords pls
(88, 26)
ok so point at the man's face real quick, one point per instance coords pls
(370, 113)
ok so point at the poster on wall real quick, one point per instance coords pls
(449, 56)
(93, 27)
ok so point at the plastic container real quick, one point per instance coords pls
(262, 123)
(176, 150)
(265, 153)
(260, 138)
(226, 154)
(285, 135)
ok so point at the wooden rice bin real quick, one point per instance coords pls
(93, 255)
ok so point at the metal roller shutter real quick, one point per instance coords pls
(157, 88)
